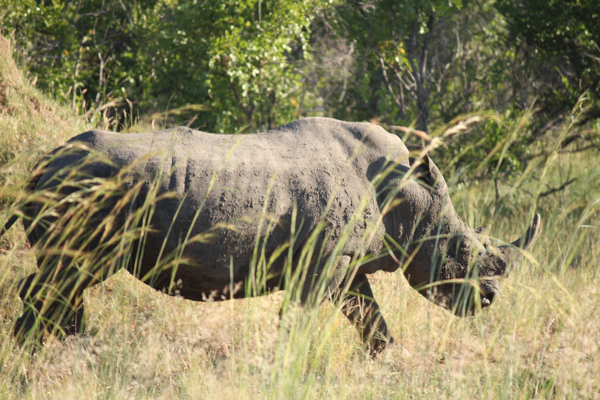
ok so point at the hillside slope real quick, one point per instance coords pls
(31, 122)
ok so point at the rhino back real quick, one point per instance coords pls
(319, 167)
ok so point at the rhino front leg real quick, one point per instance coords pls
(322, 285)
(360, 307)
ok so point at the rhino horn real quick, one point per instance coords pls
(508, 253)
(525, 241)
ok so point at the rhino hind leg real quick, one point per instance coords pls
(36, 319)
(52, 302)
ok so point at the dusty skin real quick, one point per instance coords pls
(313, 206)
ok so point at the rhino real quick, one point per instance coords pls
(314, 206)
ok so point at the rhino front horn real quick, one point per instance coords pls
(509, 252)
(525, 241)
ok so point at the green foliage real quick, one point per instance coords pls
(427, 64)
(84, 52)
(496, 147)
(236, 56)
(563, 35)
(394, 69)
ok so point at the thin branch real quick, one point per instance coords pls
(570, 139)
(406, 86)
(558, 189)
(387, 82)
(548, 126)
(93, 14)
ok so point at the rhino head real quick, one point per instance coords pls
(445, 260)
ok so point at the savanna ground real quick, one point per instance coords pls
(540, 338)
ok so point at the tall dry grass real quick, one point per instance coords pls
(540, 338)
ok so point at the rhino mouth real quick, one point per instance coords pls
(487, 300)
(465, 298)
(470, 308)
(466, 304)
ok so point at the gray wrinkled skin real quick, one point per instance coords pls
(323, 169)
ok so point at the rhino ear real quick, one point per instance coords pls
(426, 170)
(423, 168)
(430, 174)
